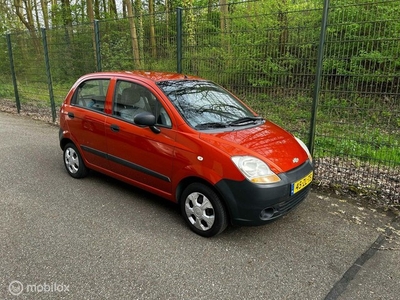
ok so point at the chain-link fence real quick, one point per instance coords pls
(127, 44)
(358, 134)
(265, 53)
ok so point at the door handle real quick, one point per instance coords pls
(114, 128)
(71, 115)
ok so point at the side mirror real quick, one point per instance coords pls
(146, 119)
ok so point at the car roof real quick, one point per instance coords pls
(149, 75)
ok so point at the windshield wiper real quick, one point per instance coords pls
(245, 121)
(211, 125)
(238, 122)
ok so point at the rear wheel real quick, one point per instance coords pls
(203, 210)
(73, 161)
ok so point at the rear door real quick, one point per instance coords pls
(86, 120)
(136, 152)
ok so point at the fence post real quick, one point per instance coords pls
(48, 72)
(14, 77)
(179, 40)
(318, 76)
(97, 42)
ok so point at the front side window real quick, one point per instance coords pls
(131, 99)
(91, 94)
(205, 105)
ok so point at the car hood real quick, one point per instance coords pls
(269, 142)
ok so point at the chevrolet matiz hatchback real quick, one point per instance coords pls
(188, 140)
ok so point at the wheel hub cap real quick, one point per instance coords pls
(71, 160)
(199, 211)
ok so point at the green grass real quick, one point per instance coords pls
(6, 91)
(35, 93)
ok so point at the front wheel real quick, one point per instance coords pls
(203, 210)
(73, 161)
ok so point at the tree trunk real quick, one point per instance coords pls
(283, 24)
(90, 11)
(224, 23)
(35, 6)
(167, 23)
(224, 15)
(66, 13)
(140, 30)
(96, 8)
(28, 21)
(112, 9)
(43, 4)
(132, 27)
(152, 30)
(90, 14)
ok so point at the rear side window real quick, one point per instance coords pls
(91, 94)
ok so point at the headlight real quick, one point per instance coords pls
(255, 170)
(305, 148)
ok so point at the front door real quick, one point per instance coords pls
(136, 152)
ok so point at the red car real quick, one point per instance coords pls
(188, 140)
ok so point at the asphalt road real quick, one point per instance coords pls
(97, 238)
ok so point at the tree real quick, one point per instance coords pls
(112, 9)
(134, 39)
(45, 11)
(24, 10)
(225, 25)
(90, 11)
(140, 30)
(152, 30)
(66, 13)
(96, 9)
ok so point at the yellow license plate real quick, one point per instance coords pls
(301, 184)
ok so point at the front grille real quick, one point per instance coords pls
(289, 203)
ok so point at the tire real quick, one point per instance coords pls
(203, 210)
(73, 162)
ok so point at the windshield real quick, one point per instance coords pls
(205, 105)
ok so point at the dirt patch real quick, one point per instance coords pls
(375, 186)
(30, 110)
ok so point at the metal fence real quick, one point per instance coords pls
(346, 105)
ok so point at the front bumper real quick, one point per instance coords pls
(256, 204)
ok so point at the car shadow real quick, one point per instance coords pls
(137, 194)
